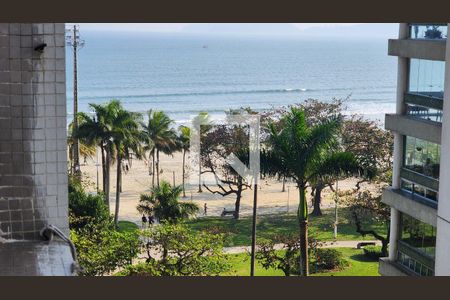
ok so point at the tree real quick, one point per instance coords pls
(158, 137)
(101, 251)
(126, 138)
(218, 144)
(86, 210)
(164, 203)
(372, 146)
(269, 256)
(366, 207)
(184, 252)
(96, 130)
(315, 112)
(297, 148)
(184, 142)
(205, 124)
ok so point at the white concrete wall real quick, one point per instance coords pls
(402, 83)
(442, 266)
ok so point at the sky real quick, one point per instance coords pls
(178, 27)
(333, 30)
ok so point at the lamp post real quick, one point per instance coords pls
(336, 198)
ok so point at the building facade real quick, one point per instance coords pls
(420, 193)
(33, 149)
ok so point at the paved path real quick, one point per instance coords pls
(336, 244)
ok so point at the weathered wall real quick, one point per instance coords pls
(33, 160)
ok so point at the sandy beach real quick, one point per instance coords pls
(137, 180)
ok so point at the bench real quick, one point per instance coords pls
(362, 244)
(227, 212)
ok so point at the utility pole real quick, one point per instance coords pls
(253, 248)
(74, 41)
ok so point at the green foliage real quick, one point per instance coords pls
(287, 260)
(101, 251)
(329, 259)
(184, 252)
(164, 204)
(86, 209)
(373, 252)
(141, 269)
(127, 226)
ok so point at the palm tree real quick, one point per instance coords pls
(126, 138)
(158, 137)
(184, 142)
(297, 150)
(163, 203)
(96, 130)
(205, 123)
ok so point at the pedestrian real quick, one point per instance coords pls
(205, 209)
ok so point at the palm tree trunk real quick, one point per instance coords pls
(119, 177)
(157, 167)
(107, 176)
(103, 167)
(200, 177)
(303, 223)
(153, 167)
(184, 161)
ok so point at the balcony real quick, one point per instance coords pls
(422, 49)
(411, 126)
(416, 206)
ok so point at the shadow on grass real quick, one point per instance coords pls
(362, 258)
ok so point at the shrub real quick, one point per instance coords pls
(101, 251)
(330, 259)
(184, 252)
(141, 269)
(86, 209)
(373, 252)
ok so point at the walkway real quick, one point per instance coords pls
(336, 244)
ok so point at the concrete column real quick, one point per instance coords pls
(33, 139)
(402, 86)
(442, 265)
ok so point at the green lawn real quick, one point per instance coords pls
(359, 265)
(126, 226)
(239, 231)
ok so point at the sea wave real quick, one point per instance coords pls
(206, 93)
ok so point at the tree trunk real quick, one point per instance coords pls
(303, 223)
(153, 167)
(237, 204)
(384, 247)
(284, 185)
(107, 176)
(184, 171)
(104, 171)
(200, 177)
(157, 167)
(317, 199)
(119, 176)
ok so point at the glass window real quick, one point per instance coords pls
(421, 112)
(419, 190)
(418, 235)
(422, 157)
(426, 77)
(429, 31)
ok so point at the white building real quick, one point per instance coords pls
(420, 194)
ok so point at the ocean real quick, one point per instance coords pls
(183, 74)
